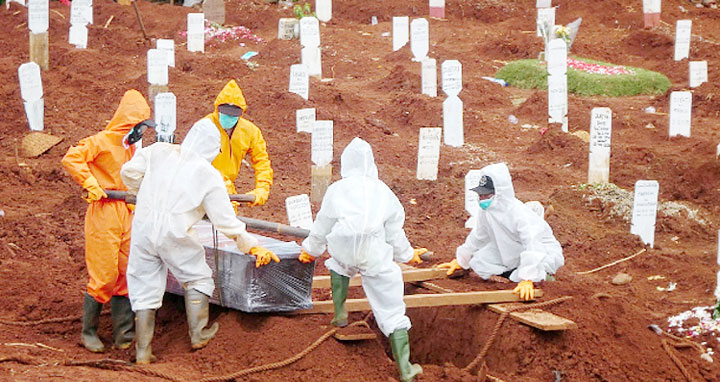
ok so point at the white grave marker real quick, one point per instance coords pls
(645, 210)
(419, 39)
(38, 15)
(35, 112)
(543, 15)
(299, 81)
(600, 137)
(680, 113)
(401, 32)
(309, 32)
(557, 100)
(451, 77)
(429, 77)
(428, 153)
(78, 36)
(437, 8)
(305, 120)
(323, 10)
(683, 29)
(286, 28)
(30, 81)
(298, 211)
(81, 12)
(157, 67)
(165, 116)
(311, 57)
(557, 57)
(471, 197)
(453, 121)
(322, 143)
(651, 6)
(698, 73)
(196, 32)
(168, 46)
(543, 3)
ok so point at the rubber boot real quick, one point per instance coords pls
(145, 327)
(400, 344)
(197, 309)
(339, 285)
(91, 320)
(122, 322)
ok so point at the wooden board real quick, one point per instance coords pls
(39, 49)
(409, 275)
(537, 318)
(425, 300)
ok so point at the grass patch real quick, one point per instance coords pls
(532, 74)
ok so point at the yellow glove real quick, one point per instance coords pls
(235, 205)
(263, 256)
(526, 290)
(131, 207)
(305, 257)
(230, 187)
(261, 196)
(451, 266)
(94, 191)
(416, 255)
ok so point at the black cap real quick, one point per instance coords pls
(231, 110)
(485, 186)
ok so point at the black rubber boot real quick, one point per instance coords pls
(339, 285)
(91, 320)
(122, 321)
(145, 327)
(400, 344)
(197, 308)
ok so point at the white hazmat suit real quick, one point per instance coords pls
(509, 236)
(176, 186)
(361, 223)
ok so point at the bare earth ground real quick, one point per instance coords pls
(375, 94)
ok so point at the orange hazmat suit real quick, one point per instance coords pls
(107, 222)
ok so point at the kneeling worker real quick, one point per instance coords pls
(361, 223)
(176, 186)
(509, 239)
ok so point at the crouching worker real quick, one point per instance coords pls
(361, 223)
(176, 186)
(509, 239)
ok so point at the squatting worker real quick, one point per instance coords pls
(176, 186)
(361, 223)
(509, 239)
(238, 138)
(95, 164)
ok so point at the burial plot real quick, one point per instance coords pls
(429, 77)
(645, 211)
(298, 211)
(428, 153)
(698, 73)
(304, 120)
(196, 32)
(31, 92)
(419, 39)
(600, 137)
(165, 117)
(299, 82)
(400, 32)
(680, 113)
(683, 29)
(38, 21)
(321, 154)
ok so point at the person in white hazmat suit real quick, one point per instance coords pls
(508, 238)
(176, 186)
(361, 223)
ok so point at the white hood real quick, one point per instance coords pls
(203, 139)
(501, 180)
(357, 160)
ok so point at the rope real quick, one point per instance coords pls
(679, 342)
(676, 360)
(76, 317)
(501, 320)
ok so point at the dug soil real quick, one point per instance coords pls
(374, 93)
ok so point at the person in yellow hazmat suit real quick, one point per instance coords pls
(95, 164)
(239, 137)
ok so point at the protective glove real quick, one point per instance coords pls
(451, 266)
(525, 289)
(305, 257)
(261, 196)
(416, 256)
(131, 207)
(235, 205)
(94, 191)
(230, 187)
(263, 256)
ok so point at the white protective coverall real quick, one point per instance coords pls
(176, 185)
(510, 236)
(361, 223)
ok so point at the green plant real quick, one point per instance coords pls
(301, 11)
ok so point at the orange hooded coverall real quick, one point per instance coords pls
(245, 138)
(107, 222)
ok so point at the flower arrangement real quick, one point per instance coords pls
(218, 33)
(593, 68)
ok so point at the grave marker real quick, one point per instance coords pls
(35, 112)
(157, 67)
(311, 57)
(545, 15)
(214, 11)
(429, 77)
(298, 211)
(651, 13)
(401, 32)
(165, 117)
(309, 32)
(600, 137)
(437, 8)
(543, 3)
(321, 179)
(31, 92)
(680, 113)
(453, 121)
(557, 82)
(286, 28)
(419, 39)
(81, 12)
(78, 36)
(304, 120)
(472, 178)
(683, 29)
(698, 73)
(451, 77)
(645, 211)
(299, 81)
(717, 152)
(38, 15)
(322, 143)
(323, 10)
(167, 46)
(196, 32)
(428, 153)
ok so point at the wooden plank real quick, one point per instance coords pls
(425, 300)
(409, 275)
(537, 318)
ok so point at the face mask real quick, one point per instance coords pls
(227, 121)
(485, 203)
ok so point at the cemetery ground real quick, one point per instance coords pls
(374, 93)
